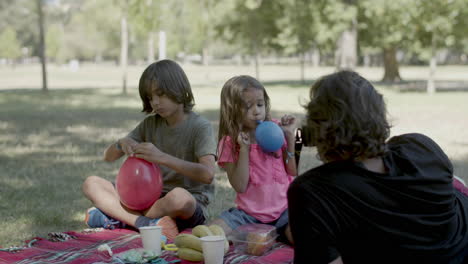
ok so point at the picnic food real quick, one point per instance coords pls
(257, 244)
(190, 254)
(188, 241)
(201, 231)
(218, 231)
(253, 239)
(190, 247)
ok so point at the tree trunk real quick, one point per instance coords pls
(124, 49)
(162, 45)
(150, 48)
(205, 52)
(42, 48)
(302, 63)
(346, 52)
(392, 73)
(257, 65)
(431, 88)
(315, 57)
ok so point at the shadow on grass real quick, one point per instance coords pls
(289, 83)
(401, 86)
(50, 144)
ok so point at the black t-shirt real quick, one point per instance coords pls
(412, 214)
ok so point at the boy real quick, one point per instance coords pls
(180, 141)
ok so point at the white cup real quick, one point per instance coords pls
(151, 237)
(213, 249)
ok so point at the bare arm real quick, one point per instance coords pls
(112, 153)
(201, 171)
(288, 125)
(238, 173)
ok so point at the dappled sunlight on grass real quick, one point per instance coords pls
(52, 142)
(95, 134)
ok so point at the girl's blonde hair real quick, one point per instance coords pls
(233, 107)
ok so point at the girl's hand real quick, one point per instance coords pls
(128, 145)
(243, 139)
(148, 152)
(288, 125)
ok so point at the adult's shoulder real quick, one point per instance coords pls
(418, 147)
(323, 174)
(415, 142)
(410, 138)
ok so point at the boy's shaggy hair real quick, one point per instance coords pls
(169, 79)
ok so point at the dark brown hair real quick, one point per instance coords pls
(169, 79)
(347, 117)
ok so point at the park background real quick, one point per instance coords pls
(69, 71)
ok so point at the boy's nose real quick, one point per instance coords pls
(155, 100)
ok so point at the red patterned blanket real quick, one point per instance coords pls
(78, 248)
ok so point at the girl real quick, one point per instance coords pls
(260, 179)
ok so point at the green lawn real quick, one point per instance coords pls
(51, 142)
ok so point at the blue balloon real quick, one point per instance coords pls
(269, 136)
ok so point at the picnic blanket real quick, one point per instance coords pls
(82, 247)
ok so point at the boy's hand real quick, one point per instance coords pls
(128, 145)
(288, 125)
(149, 152)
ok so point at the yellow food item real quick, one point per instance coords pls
(201, 231)
(257, 244)
(188, 241)
(219, 231)
(190, 254)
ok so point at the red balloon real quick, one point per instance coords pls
(139, 183)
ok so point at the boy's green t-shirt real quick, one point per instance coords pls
(191, 139)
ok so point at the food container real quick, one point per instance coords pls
(253, 239)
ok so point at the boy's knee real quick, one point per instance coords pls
(89, 183)
(181, 200)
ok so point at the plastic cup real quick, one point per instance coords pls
(213, 249)
(151, 238)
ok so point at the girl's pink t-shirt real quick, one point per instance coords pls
(265, 196)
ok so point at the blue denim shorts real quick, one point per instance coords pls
(236, 217)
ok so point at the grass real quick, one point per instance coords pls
(51, 142)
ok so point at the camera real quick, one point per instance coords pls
(304, 137)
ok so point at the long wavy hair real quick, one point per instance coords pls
(233, 107)
(347, 118)
(170, 79)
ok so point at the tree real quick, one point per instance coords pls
(147, 18)
(300, 24)
(124, 45)
(252, 24)
(434, 26)
(383, 24)
(42, 47)
(346, 45)
(9, 45)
